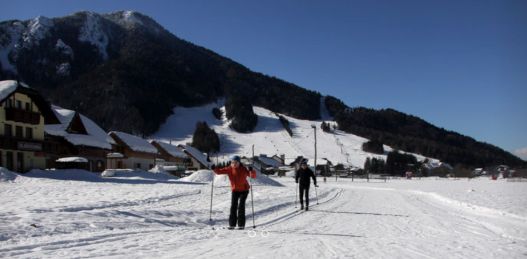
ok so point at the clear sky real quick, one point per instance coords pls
(461, 65)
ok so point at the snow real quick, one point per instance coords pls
(172, 150)
(207, 176)
(72, 159)
(269, 161)
(96, 136)
(64, 48)
(92, 32)
(75, 213)
(14, 33)
(115, 155)
(7, 87)
(136, 143)
(6, 175)
(198, 155)
(269, 137)
(37, 30)
(63, 69)
(200, 176)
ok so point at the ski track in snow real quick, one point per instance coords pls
(410, 219)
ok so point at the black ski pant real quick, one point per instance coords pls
(238, 208)
(304, 190)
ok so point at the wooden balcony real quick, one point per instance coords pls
(20, 144)
(23, 116)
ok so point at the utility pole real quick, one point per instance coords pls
(315, 131)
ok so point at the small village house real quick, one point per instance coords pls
(198, 160)
(137, 153)
(76, 136)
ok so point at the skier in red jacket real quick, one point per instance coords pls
(240, 189)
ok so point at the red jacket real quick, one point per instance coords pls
(237, 176)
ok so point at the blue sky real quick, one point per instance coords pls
(461, 65)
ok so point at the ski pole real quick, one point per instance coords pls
(211, 194)
(252, 202)
(251, 186)
(316, 193)
(296, 196)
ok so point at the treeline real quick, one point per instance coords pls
(285, 124)
(396, 164)
(205, 139)
(240, 111)
(412, 134)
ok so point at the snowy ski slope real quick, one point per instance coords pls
(269, 136)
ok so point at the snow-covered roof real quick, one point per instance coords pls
(114, 155)
(172, 149)
(135, 143)
(7, 87)
(73, 159)
(269, 161)
(202, 158)
(95, 137)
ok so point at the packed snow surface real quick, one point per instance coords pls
(6, 175)
(207, 176)
(74, 213)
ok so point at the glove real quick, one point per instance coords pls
(212, 167)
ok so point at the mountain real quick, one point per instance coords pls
(127, 73)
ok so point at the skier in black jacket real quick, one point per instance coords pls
(304, 173)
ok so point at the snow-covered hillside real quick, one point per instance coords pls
(144, 215)
(269, 136)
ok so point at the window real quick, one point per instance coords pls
(19, 132)
(28, 107)
(138, 165)
(9, 103)
(8, 130)
(20, 162)
(19, 104)
(9, 160)
(29, 133)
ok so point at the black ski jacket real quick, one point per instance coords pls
(304, 175)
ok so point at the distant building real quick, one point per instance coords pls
(23, 113)
(171, 154)
(267, 165)
(76, 136)
(132, 151)
(198, 159)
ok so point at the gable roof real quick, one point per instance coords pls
(173, 150)
(196, 154)
(269, 161)
(135, 143)
(95, 136)
(8, 87)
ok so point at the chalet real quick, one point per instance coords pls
(23, 114)
(76, 136)
(172, 155)
(267, 165)
(137, 153)
(198, 159)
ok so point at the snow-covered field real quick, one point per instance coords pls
(150, 215)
